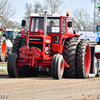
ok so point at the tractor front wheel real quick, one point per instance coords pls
(12, 65)
(57, 67)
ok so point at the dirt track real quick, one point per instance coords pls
(46, 88)
(3, 62)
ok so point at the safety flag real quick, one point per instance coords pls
(3, 29)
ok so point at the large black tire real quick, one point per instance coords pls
(57, 66)
(17, 45)
(83, 59)
(69, 54)
(3, 49)
(12, 67)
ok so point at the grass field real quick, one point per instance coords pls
(3, 67)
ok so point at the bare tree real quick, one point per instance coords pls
(13, 24)
(36, 8)
(28, 9)
(82, 20)
(6, 11)
(39, 8)
(54, 6)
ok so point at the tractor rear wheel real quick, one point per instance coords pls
(69, 54)
(12, 65)
(3, 48)
(57, 67)
(83, 59)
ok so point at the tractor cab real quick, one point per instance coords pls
(54, 24)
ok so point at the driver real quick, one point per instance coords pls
(51, 23)
(49, 28)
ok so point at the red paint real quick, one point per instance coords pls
(3, 29)
(22, 33)
(33, 53)
(40, 32)
(87, 59)
(17, 64)
(3, 49)
(65, 64)
(61, 67)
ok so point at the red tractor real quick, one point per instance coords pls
(50, 45)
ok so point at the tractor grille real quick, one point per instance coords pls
(38, 45)
(35, 39)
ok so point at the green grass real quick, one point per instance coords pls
(3, 69)
(3, 65)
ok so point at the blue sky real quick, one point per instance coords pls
(71, 5)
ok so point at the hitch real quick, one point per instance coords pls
(29, 53)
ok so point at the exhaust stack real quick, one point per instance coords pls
(45, 23)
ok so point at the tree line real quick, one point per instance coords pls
(82, 20)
